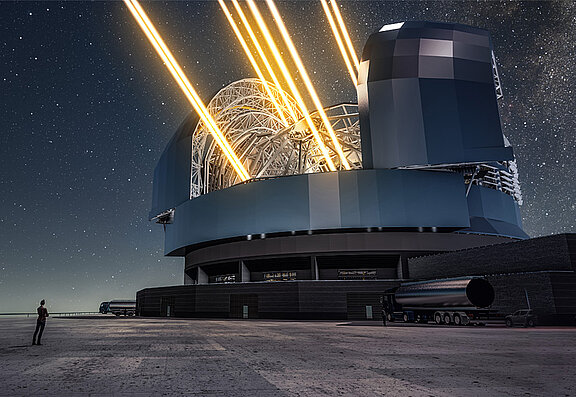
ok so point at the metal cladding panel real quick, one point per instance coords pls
(172, 173)
(260, 207)
(421, 199)
(172, 177)
(324, 201)
(494, 212)
(349, 199)
(339, 200)
(426, 96)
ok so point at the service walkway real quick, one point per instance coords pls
(132, 356)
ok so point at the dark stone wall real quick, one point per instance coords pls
(289, 299)
(510, 295)
(538, 254)
(543, 267)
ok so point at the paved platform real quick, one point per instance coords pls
(137, 357)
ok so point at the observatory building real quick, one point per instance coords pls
(431, 173)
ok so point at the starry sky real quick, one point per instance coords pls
(86, 109)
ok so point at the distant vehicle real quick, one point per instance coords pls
(122, 307)
(104, 307)
(455, 301)
(524, 317)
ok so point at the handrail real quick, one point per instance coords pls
(59, 314)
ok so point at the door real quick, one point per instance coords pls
(364, 306)
(243, 306)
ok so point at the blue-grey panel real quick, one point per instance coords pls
(268, 206)
(381, 117)
(324, 201)
(172, 173)
(172, 177)
(440, 114)
(418, 198)
(494, 212)
(368, 199)
(349, 199)
(409, 140)
(363, 198)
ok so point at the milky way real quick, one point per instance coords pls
(86, 109)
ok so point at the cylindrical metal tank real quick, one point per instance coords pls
(460, 292)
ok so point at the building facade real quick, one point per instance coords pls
(431, 173)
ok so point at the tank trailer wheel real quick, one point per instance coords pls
(447, 318)
(389, 317)
(438, 318)
(405, 317)
(457, 319)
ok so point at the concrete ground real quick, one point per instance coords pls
(132, 356)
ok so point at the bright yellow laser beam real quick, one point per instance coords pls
(185, 85)
(290, 81)
(264, 59)
(334, 28)
(307, 82)
(253, 61)
(345, 33)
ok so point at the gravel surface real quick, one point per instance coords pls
(103, 355)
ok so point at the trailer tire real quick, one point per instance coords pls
(405, 318)
(389, 317)
(438, 318)
(447, 318)
(457, 319)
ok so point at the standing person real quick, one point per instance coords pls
(41, 322)
(384, 313)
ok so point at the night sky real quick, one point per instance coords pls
(87, 107)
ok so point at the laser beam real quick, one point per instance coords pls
(307, 81)
(345, 33)
(264, 59)
(341, 46)
(193, 97)
(290, 81)
(253, 61)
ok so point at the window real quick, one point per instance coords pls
(225, 278)
(280, 276)
(360, 274)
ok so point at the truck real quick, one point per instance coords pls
(456, 301)
(104, 307)
(125, 307)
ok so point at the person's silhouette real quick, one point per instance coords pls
(40, 323)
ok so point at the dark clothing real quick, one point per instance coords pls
(384, 314)
(39, 327)
(42, 313)
(40, 324)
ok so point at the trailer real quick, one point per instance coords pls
(122, 307)
(456, 301)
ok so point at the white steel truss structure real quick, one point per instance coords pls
(251, 123)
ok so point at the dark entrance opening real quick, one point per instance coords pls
(364, 306)
(167, 304)
(244, 306)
